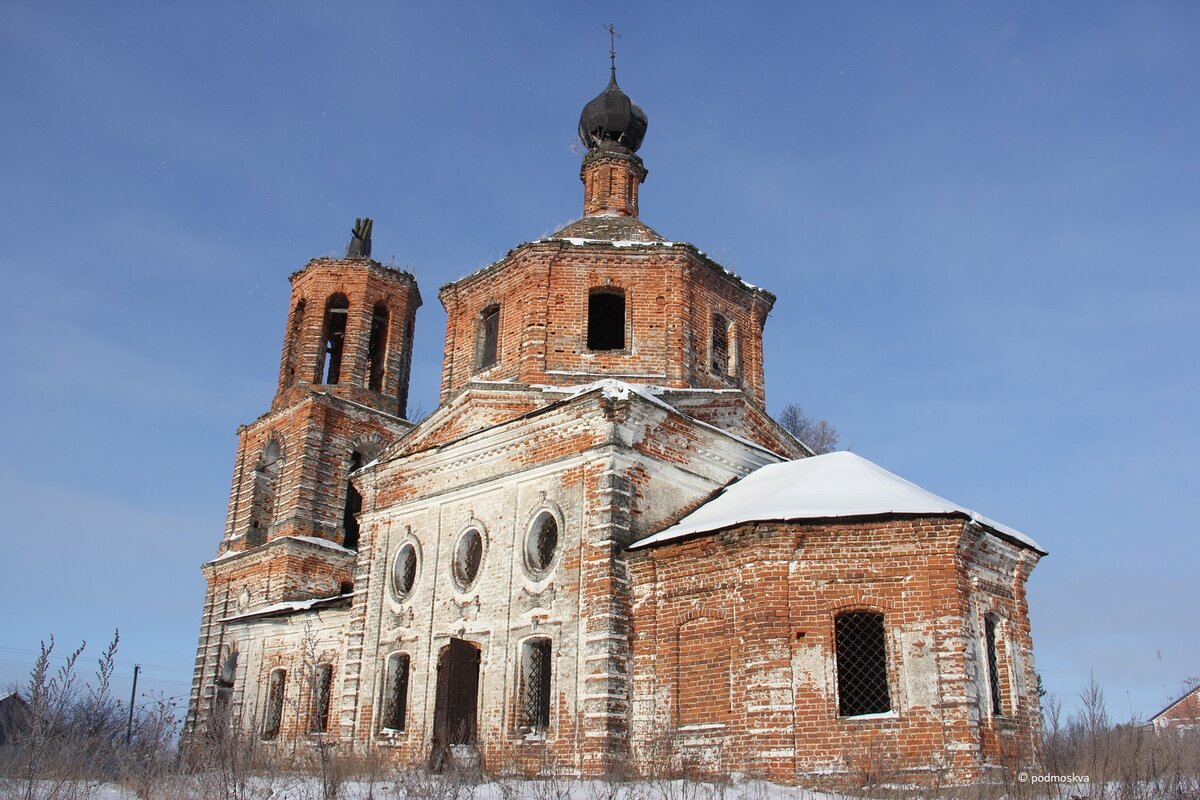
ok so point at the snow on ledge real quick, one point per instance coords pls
(840, 484)
(285, 606)
(317, 540)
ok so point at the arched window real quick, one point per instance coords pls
(395, 693)
(487, 338)
(265, 487)
(533, 713)
(606, 319)
(295, 331)
(322, 697)
(329, 367)
(861, 651)
(226, 676)
(993, 665)
(350, 528)
(273, 717)
(377, 347)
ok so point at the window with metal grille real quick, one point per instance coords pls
(606, 319)
(720, 345)
(862, 680)
(377, 347)
(533, 716)
(329, 370)
(541, 543)
(993, 665)
(467, 556)
(274, 715)
(322, 696)
(395, 692)
(487, 338)
(404, 570)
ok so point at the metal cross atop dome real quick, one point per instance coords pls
(612, 46)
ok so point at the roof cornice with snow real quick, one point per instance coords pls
(830, 486)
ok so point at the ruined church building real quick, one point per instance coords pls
(599, 548)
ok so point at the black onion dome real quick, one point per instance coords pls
(612, 117)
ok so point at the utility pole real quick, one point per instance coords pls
(132, 696)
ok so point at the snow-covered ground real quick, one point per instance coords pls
(304, 788)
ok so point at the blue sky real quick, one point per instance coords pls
(982, 222)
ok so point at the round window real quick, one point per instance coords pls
(541, 543)
(404, 570)
(467, 557)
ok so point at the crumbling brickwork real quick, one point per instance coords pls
(490, 581)
(753, 609)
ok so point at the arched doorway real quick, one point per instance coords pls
(456, 708)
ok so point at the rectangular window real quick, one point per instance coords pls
(720, 345)
(862, 682)
(322, 695)
(993, 665)
(274, 716)
(534, 711)
(606, 320)
(395, 693)
(488, 337)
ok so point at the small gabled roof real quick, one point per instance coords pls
(833, 485)
(1193, 691)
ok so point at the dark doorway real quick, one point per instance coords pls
(456, 709)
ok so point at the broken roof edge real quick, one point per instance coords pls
(311, 541)
(288, 607)
(369, 263)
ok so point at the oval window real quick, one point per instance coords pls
(404, 570)
(467, 556)
(541, 543)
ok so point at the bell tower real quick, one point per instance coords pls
(292, 530)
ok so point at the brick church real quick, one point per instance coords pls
(599, 548)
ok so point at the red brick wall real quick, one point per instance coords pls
(775, 590)
(364, 283)
(670, 295)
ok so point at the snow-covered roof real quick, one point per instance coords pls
(839, 484)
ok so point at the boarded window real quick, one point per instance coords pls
(329, 370)
(533, 716)
(322, 696)
(487, 338)
(606, 319)
(404, 570)
(704, 660)
(274, 714)
(395, 693)
(541, 543)
(862, 682)
(353, 507)
(720, 345)
(993, 665)
(467, 556)
(377, 347)
(265, 487)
